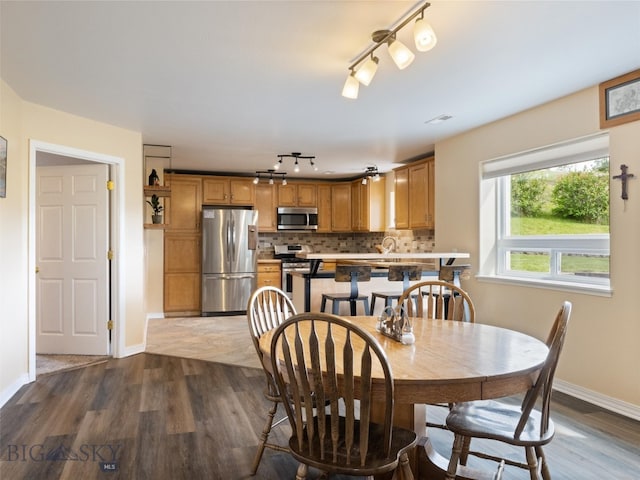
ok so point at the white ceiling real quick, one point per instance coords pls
(232, 84)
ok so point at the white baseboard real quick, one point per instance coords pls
(11, 390)
(132, 350)
(617, 406)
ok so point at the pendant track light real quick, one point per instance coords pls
(363, 69)
(297, 156)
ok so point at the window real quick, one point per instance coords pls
(545, 215)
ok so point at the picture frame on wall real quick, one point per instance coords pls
(3, 167)
(620, 100)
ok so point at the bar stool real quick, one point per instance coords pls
(352, 274)
(404, 273)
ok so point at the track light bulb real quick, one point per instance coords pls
(296, 168)
(284, 181)
(424, 35)
(367, 71)
(351, 86)
(364, 180)
(400, 54)
(256, 180)
(271, 181)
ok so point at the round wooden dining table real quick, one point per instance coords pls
(450, 362)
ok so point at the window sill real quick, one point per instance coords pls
(597, 290)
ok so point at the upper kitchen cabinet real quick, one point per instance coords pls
(340, 212)
(297, 195)
(324, 208)
(367, 206)
(228, 191)
(266, 206)
(414, 195)
(184, 205)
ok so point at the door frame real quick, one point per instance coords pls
(116, 200)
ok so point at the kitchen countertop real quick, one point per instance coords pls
(381, 256)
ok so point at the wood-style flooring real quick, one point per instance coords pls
(154, 416)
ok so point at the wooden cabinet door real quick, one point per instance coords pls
(418, 208)
(184, 204)
(340, 213)
(269, 275)
(401, 189)
(324, 208)
(431, 194)
(357, 207)
(287, 195)
(242, 191)
(266, 205)
(182, 278)
(307, 195)
(215, 191)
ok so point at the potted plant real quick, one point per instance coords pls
(156, 217)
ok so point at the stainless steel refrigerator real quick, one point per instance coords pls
(229, 259)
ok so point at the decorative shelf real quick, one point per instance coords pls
(159, 190)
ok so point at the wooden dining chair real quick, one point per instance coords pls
(320, 358)
(352, 274)
(438, 300)
(518, 425)
(267, 308)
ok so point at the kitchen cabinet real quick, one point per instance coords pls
(184, 205)
(182, 276)
(297, 195)
(340, 211)
(415, 195)
(401, 189)
(266, 206)
(367, 206)
(228, 191)
(324, 208)
(269, 274)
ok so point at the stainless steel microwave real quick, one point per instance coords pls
(297, 218)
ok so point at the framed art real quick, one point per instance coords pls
(620, 100)
(3, 167)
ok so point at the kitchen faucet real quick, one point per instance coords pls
(393, 246)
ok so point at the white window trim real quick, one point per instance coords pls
(494, 243)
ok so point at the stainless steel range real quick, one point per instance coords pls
(290, 263)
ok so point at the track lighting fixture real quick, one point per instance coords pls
(269, 174)
(371, 173)
(298, 156)
(363, 69)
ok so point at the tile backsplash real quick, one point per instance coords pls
(407, 241)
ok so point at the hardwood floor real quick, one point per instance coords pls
(154, 416)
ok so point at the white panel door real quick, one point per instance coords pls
(72, 229)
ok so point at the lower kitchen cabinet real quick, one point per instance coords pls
(182, 275)
(269, 274)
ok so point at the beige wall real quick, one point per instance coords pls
(22, 122)
(602, 352)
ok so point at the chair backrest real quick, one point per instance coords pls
(404, 273)
(267, 308)
(353, 274)
(544, 383)
(438, 300)
(323, 359)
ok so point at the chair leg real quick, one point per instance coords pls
(366, 307)
(323, 304)
(352, 306)
(335, 307)
(403, 470)
(532, 462)
(546, 475)
(458, 440)
(301, 474)
(263, 438)
(466, 445)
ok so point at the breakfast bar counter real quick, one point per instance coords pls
(307, 288)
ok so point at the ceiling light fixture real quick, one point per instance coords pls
(371, 173)
(297, 156)
(361, 71)
(269, 174)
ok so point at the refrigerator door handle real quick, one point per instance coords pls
(233, 237)
(228, 249)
